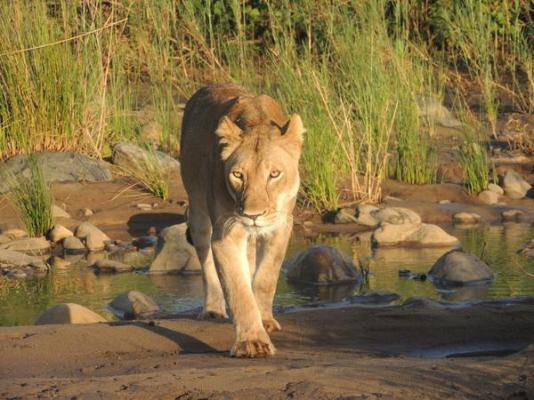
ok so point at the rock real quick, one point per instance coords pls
(28, 245)
(374, 298)
(133, 305)
(144, 206)
(68, 313)
(364, 215)
(17, 260)
(466, 218)
(110, 266)
(496, 188)
(174, 253)
(444, 202)
(57, 167)
(87, 212)
(345, 216)
(422, 302)
(488, 197)
(12, 234)
(58, 233)
(396, 216)
(95, 239)
(58, 212)
(512, 215)
(418, 235)
(431, 109)
(146, 241)
(132, 158)
(514, 185)
(72, 246)
(321, 265)
(457, 268)
(17, 274)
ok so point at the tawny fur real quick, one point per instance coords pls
(239, 163)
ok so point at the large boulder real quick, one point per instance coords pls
(321, 265)
(134, 159)
(514, 185)
(37, 245)
(174, 253)
(57, 167)
(68, 313)
(133, 305)
(457, 268)
(417, 235)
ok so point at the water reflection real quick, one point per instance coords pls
(22, 301)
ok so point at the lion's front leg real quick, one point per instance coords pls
(230, 253)
(272, 250)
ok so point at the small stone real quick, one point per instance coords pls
(95, 239)
(466, 218)
(515, 186)
(68, 313)
(456, 268)
(174, 253)
(417, 235)
(144, 206)
(134, 305)
(364, 215)
(58, 233)
(72, 246)
(155, 205)
(512, 215)
(444, 202)
(12, 234)
(110, 266)
(58, 212)
(321, 265)
(345, 216)
(17, 259)
(87, 212)
(488, 197)
(37, 245)
(392, 199)
(496, 188)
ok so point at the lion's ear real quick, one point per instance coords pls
(293, 132)
(229, 136)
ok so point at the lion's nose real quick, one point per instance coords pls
(252, 216)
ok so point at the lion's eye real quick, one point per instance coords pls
(237, 174)
(275, 174)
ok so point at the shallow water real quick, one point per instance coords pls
(21, 301)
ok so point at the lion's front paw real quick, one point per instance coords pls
(271, 325)
(212, 315)
(253, 348)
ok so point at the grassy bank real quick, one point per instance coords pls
(83, 75)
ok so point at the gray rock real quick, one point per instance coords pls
(72, 245)
(321, 265)
(364, 215)
(38, 245)
(58, 212)
(95, 239)
(17, 260)
(345, 216)
(496, 188)
(57, 167)
(514, 185)
(417, 235)
(396, 216)
(174, 253)
(87, 212)
(133, 305)
(488, 197)
(132, 158)
(68, 313)
(431, 109)
(512, 215)
(12, 234)
(466, 218)
(457, 268)
(110, 266)
(58, 233)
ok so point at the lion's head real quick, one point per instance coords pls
(261, 169)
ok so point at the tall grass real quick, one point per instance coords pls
(33, 200)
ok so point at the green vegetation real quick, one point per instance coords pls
(77, 75)
(32, 199)
(151, 175)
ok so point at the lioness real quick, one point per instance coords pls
(239, 156)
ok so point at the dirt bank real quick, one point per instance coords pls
(351, 353)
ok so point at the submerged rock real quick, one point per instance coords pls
(174, 253)
(132, 158)
(374, 298)
(514, 185)
(466, 218)
(110, 266)
(488, 197)
(321, 265)
(68, 313)
(133, 305)
(417, 235)
(72, 245)
(57, 167)
(457, 268)
(512, 215)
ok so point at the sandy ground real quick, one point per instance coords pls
(350, 353)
